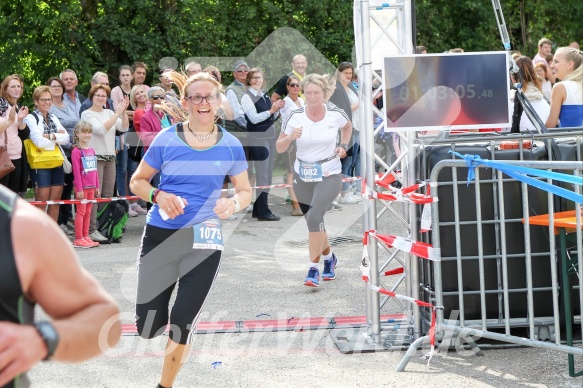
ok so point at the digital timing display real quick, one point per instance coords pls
(447, 91)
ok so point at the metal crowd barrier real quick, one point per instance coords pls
(491, 316)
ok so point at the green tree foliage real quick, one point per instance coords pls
(471, 24)
(40, 38)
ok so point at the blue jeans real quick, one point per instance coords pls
(121, 165)
(346, 167)
(356, 160)
(351, 164)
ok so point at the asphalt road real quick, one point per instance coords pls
(261, 277)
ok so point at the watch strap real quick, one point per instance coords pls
(49, 335)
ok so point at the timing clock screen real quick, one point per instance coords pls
(447, 91)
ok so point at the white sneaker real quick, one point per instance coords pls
(132, 213)
(98, 237)
(358, 198)
(347, 199)
(138, 209)
(66, 230)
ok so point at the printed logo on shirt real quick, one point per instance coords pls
(218, 163)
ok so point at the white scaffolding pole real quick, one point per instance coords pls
(381, 29)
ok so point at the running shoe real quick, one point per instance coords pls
(357, 198)
(98, 237)
(297, 212)
(94, 243)
(82, 243)
(313, 278)
(334, 206)
(132, 213)
(348, 199)
(329, 267)
(138, 209)
(66, 230)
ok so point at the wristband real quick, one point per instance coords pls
(235, 198)
(155, 195)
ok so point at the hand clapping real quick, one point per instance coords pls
(123, 105)
(22, 113)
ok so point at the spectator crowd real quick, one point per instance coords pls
(106, 134)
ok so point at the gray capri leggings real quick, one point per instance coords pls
(167, 261)
(315, 198)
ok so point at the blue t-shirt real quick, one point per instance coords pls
(195, 175)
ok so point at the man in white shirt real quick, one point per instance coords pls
(236, 90)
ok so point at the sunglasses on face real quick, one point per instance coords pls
(294, 85)
(155, 98)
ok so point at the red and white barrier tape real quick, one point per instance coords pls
(386, 181)
(408, 246)
(416, 248)
(285, 185)
(406, 195)
(418, 199)
(82, 201)
(129, 197)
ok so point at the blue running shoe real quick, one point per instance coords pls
(329, 267)
(313, 278)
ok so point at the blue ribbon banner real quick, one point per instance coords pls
(522, 174)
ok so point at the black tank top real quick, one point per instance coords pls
(14, 307)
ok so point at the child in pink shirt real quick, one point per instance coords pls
(85, 182)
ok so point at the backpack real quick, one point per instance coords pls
(112, 219)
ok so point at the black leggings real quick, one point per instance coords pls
(17, 180)
(166, 256)
(315, 198)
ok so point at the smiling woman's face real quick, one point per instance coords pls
(202, 114)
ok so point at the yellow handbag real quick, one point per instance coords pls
(41, 158)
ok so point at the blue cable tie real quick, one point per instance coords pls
(215, 364)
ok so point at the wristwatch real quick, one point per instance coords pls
(345, 146)
(49, 334)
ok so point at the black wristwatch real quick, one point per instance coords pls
(49, 335)
(345, 146)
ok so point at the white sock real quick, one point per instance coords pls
(313, 265)
(328, 256)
